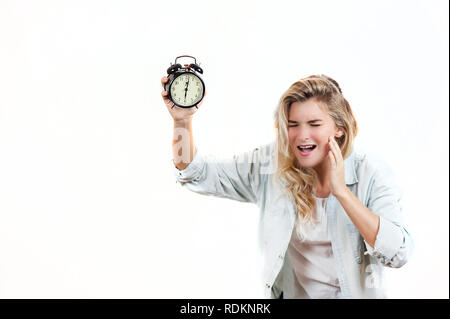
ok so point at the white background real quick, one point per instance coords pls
(89, 207)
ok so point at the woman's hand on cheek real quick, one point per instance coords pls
(337, 169)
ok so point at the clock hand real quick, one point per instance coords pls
(186, 88)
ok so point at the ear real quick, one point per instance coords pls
(339, 133)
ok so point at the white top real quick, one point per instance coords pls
(312, 259)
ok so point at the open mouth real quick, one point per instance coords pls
(306, 149)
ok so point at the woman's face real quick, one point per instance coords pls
(308, 129)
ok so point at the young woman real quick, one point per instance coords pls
(330, 214)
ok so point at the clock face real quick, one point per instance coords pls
(186, 89)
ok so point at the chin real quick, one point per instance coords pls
(308, 165)
(312, 162)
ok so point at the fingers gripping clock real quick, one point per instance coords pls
(185, 86)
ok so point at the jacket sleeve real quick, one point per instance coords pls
(394, 244)
(239, 177)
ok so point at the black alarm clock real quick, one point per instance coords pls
(185, 86)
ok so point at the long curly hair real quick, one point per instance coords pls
(299, 181)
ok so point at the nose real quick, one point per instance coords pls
(303, 134)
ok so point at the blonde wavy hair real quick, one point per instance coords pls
(299, 181)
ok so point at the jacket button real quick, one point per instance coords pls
(267, 286)
(280, 256)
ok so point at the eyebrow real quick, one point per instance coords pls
(312, 121)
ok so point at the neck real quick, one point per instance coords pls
(323, 176)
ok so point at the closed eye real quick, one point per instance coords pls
(311, 125)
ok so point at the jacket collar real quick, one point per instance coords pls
(350, 169)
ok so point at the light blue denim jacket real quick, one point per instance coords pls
(250, 177)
